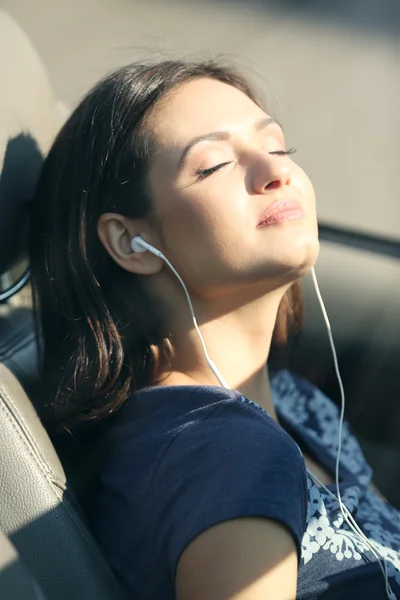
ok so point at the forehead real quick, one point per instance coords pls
(198, 107)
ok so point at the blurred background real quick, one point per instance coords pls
(330, 72)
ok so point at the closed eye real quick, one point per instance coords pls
(283, 152)
(202, 173)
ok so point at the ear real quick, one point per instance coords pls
(116, 233)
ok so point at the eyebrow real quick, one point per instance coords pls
(220, 135)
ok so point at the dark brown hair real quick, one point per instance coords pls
(102, 336)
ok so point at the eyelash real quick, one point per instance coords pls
(203, 173)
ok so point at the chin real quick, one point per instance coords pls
(297, 259)
(305, 256)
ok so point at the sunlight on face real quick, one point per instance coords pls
(220, 167)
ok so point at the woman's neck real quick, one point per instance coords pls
(238, 343)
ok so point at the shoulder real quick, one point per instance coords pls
(188, 458)
(235, 452)
(190, 412)
(161, 426)
(213, 418)
(168, 430)
(229, 462)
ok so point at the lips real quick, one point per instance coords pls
(281, 211)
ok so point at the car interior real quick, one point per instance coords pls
(46, 548)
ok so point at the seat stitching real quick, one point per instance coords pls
(24, 427)
(17, 429)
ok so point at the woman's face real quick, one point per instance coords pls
(219, 168)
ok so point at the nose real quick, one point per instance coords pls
(270, 172)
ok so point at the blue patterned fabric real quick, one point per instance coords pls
(182, 459)
(334, 562)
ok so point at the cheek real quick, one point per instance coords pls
(195, 218)
(186, 226)
(200, 233)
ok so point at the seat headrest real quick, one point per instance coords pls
(30, 117)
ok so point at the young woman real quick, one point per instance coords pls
(207, 491)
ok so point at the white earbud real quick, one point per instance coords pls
(139, 245)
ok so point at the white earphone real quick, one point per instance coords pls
(139, 245)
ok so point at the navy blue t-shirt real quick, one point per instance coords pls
(182, 459)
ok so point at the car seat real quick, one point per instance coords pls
(38, 513)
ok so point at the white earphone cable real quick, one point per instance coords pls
(208, 359)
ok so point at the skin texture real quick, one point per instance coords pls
(236, 274)
(245, 559)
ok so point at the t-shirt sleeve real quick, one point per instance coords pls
(234, 462)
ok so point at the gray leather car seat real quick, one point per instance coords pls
(37, 511)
